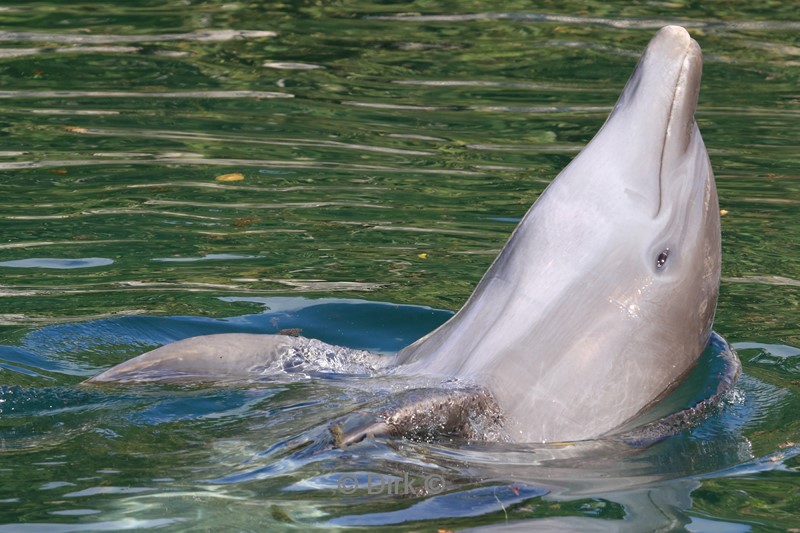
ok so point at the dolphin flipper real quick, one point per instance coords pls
(425, 414)
(237, 357)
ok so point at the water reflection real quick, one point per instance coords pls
(57, 263)
(82, 38)
(626, 23)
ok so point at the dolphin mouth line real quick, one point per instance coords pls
(681, 80)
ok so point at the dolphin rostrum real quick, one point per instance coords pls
(600, 303)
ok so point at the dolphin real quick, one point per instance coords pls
(604, 296)
(600, 303)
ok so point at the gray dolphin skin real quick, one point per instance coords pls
(603, 297)
(600, 303)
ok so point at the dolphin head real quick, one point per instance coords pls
(603, 297)
(649, 181)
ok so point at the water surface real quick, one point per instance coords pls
(171, 169)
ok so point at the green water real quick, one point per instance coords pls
(386, 151)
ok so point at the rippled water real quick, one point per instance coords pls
(171, 169)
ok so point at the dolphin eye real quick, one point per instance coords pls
(661, 260)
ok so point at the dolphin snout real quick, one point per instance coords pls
(652, 124)
(684, 103)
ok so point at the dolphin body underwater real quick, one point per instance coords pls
(600, 303)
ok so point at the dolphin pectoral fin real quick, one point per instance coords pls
(359, 426)
(426, 414)
(199, 359)
(239, 357)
